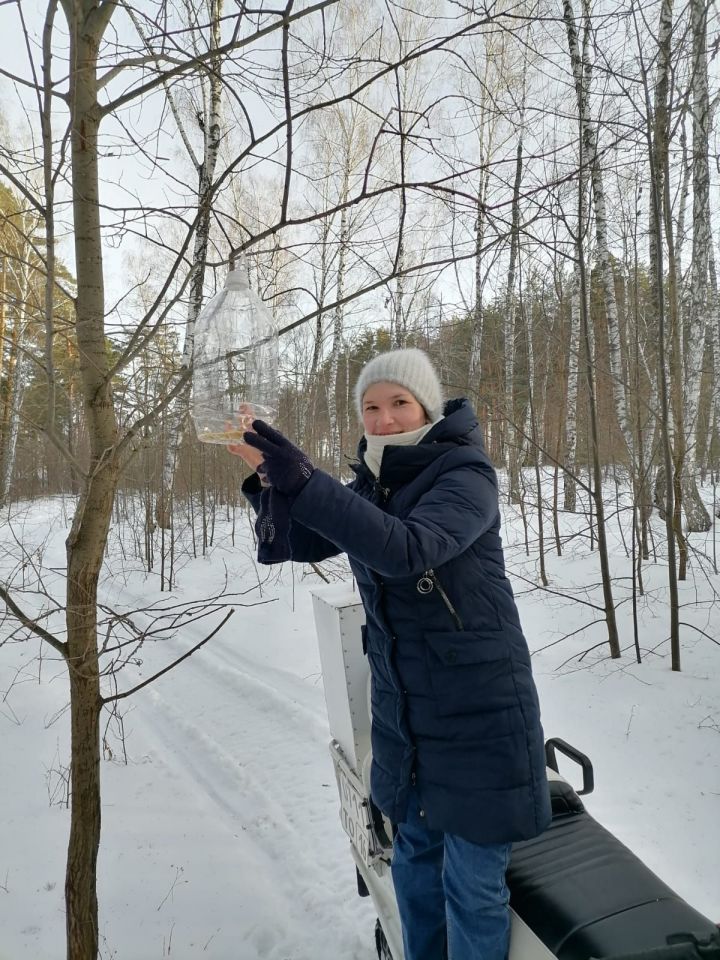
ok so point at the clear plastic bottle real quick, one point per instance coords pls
(235, 363)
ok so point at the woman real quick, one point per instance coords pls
(458, 762)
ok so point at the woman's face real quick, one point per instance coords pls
(388, 408)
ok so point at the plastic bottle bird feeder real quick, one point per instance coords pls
(235, 363)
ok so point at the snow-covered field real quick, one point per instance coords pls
(221, 837)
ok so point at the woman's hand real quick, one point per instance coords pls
(285, 466)
(244, 417)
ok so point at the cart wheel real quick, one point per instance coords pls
(381, 944)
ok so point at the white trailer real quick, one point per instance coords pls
(576, 892)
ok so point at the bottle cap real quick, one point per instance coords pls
(236, 279)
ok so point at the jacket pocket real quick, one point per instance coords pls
(470, 671)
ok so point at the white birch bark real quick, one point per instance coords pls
(604, 260)
(571, 398)
(491, 61)
(660, 120)
(399, 317)
(3, 309)
(398, 322)
(17, 370)
(513, 440)
(696, 515)
(308, 398)
(338, 317)
(21, 268)
(714, 333)
(658, 222)
(475, 358)
(687, 169)
(177, 416)
(17, 394)
(511, 454)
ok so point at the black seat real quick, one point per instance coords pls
(584, 894)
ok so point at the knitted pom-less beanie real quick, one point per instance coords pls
(412, 369)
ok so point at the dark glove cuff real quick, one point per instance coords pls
(252, 486)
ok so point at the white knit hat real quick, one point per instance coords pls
(412, 369)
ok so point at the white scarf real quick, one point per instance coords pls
(376, 444)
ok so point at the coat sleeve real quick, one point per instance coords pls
(459, 507)
(295, 541)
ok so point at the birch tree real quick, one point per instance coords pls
(17, 293)
(512, 443)
(207, 102)
(16, 373)
(576, 307)
(664, 291)
(348, 141)
(697, 516)
(581, 76)
(588, 155)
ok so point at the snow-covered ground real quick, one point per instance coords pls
(221, 837)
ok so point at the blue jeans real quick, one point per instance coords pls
(451, 893)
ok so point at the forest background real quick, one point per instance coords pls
(524, 190)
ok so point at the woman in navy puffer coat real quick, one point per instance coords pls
(458, 761)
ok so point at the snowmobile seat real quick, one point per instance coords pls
(585, 894)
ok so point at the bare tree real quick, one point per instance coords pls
(588, 154)
(208, 120)
(581, 75)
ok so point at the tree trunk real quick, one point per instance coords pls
(595, 467)
(88, 535)
(338, 317)
(309, 398)
(178, 417)
(16, 373)
(714, 326)
(581, 71)
(697, 517)
(513, 442)
(657, 138)
(533, 416)
(475, 358)
(3, 310)
(587, 156)
(571, 396)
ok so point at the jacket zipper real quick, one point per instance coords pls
(446, 600)
(381, 492)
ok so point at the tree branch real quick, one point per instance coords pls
(32, 625)
(31, 199)
(222, 51)
(121, 696)
(288, 113)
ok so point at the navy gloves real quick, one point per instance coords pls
(284, 466)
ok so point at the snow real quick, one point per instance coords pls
(221, 835)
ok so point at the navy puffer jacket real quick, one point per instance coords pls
(454, 705)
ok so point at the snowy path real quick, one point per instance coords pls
(247, 745)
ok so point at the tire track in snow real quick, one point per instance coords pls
(284, 690)
(261, 761)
